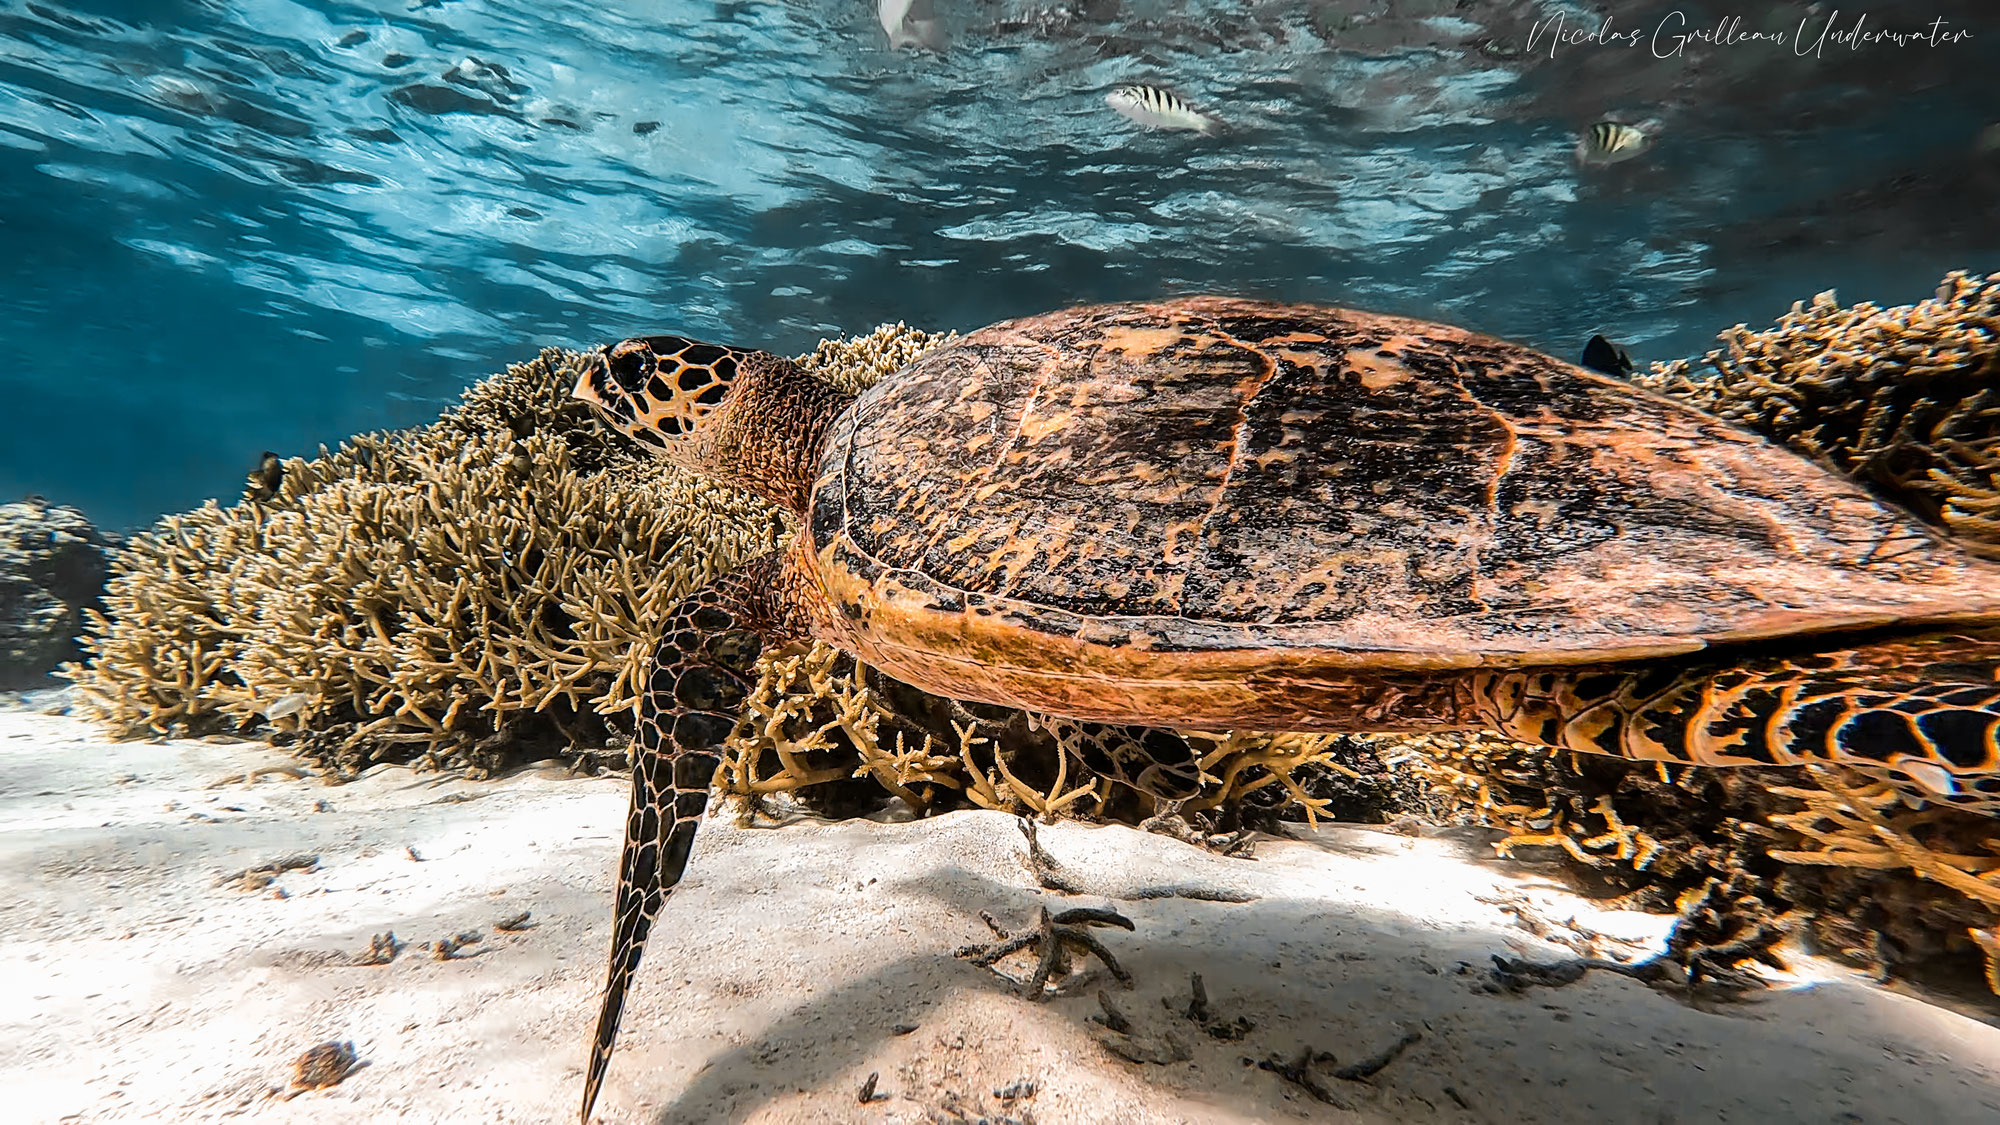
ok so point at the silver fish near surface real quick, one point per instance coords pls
(491, 79)
(1156, 108)
(911, 23)
(1609, 142)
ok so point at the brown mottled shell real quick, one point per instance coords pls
(1215, 483)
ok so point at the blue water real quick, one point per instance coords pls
(233, 225)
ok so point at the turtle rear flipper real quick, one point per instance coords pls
(695, 684)
(1925, 706)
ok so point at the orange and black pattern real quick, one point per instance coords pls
(1920, 708)
(1219, 514)
(696, 682)
(657, 387)
(737, 415)
(1206, 474)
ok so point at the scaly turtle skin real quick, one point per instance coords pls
(1214, 514)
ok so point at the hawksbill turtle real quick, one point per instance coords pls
(1216, 514)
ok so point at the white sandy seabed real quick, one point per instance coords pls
(797, 960)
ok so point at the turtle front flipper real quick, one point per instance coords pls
(1922, 707)
(695, 684)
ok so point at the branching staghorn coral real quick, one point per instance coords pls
(1865, 824)
(1906, 399)
(1657, 835)
(1646, 829)
(1868, 877)
(817, 718)
(441, 594)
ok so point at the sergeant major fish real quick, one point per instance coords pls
(1156, 108)
(1609, 142)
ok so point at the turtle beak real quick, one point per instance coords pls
(614, 373)
(612, 379)
(593, 380)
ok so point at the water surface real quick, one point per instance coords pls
(233, 225)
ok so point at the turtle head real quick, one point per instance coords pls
(741, 416)
(658, 390)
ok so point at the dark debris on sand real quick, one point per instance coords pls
(327, 1064)
(1058, 940)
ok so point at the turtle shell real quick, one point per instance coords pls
(1093, 510)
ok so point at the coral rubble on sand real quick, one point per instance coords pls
(480, 591)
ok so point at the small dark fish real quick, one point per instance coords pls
(1602, 355)
(424, 97)
(267, 476)
(491, 79)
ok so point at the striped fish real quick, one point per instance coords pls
(1156, 108)
(1609, 142)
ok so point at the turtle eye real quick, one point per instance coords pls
(631, 363)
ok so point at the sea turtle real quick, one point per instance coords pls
(1214, 514)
